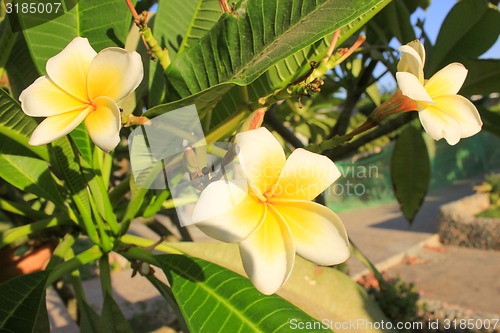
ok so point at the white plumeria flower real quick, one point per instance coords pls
(82, 85)
(270, 213)
(442, 112)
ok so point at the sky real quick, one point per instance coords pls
(434, 16)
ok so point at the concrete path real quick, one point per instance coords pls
(455, 275)
(384, 235)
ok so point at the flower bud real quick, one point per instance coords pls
(254, 120)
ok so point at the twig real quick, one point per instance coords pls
(384, 129)
(147, 36)
(352, 99)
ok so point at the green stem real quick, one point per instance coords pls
(340, 140)
(69, 266)
(227, 127)
(169, 204)
(105, 275)
(76, 281)
(137, 253)
(139, 241)
(366, 262)
(151, 43)
(60, 252)
(160, 54)
(11, 235)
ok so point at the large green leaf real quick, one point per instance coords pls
(15, 124)
(22, 302)
(482, 77)
(178, 24)
(275, 77)
(469, 30)
(243, 45)
(104, 22)
(214, 299)
(21, 169)
(410, 171)
(321, 292)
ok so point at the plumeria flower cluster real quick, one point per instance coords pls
(270, 212)
(442, 112)
(82, 85)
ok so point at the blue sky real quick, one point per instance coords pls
(434, 16)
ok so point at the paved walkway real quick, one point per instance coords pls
(466, 277)
(384, 235)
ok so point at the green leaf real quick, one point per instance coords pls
(469, 30)
(243, 45)
(82, 141)
(214, 299)
(22, 302)
(20, 67)
(178, 24)
(321, 292)
(396, 17)
(491, 120)
(112, 318)
(104, 22)
(89, 319)
(20, 168)
(15, 124)
(410, 171)
(7, 41)
(482, 77)
(66, 162)
(226, 97)
(412, 5)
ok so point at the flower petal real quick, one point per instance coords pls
(447, 81)
(452, 117)
(318, 233)
(417, 46)
(44, 98)
(104, 123)
(410, 86)
(304, 176)
(261, 157)
(226, 212)
(69, 68)
(55, 127)
(115, 73)
(268, 254)
(411, 61)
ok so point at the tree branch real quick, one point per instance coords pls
(352, 99)
(384, 129)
